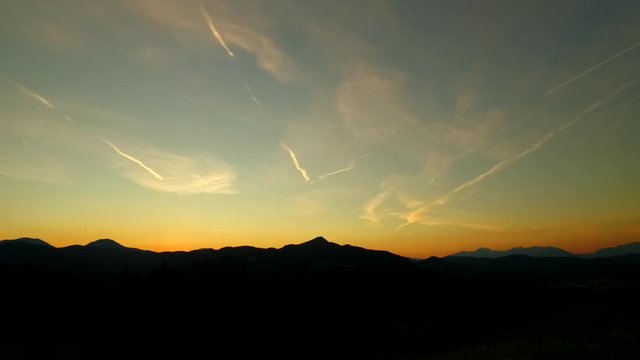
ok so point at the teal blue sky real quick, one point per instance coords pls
(420, 127)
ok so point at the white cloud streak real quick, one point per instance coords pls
(420, 215)
(187, 176)
(142, 165)
(180, 174)
(593, 68)
(296, 163)
(214, 31)
(32, 94)
(339, 171)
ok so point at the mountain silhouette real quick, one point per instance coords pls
(535, 251)
(106, 255)
(106, 244)
(313, 300)
(633, 248)
(321, 252)
(27, 241)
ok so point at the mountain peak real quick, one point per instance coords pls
(316, 243)
(318, 240)
(105, 244)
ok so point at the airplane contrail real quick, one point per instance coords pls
(593, 68)
(348, 168)
(253, 98)
(32, 94)
(214, 31)
(150, 170)
(294, 158)
(421, 213)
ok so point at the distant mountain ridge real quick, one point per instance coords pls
(535, 251)
(106, 255)
(632, 248)
(550, 251)
(317, 252)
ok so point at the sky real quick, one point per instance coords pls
(418, 127)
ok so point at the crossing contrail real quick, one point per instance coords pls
(421, 214)
(593, 68)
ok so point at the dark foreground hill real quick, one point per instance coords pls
(315, 300)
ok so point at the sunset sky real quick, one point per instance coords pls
(418, 127)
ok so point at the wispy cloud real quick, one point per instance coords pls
(296, 163)
(421, 214)
(142, 165)
(214, 31)
(370, 102)
(30, 93)
(180, 174)
(350, 167)
(60, 38)
(269, 56)
(238, 32)
(387, 188)
(39, 168)
(593, 68)
(370, 208)
(43, 175)
(477, 226)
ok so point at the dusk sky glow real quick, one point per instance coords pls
(419, 127)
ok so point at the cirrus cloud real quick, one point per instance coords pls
(180, 174)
